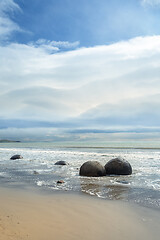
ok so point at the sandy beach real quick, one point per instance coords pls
(34, 216)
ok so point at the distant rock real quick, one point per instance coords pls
(8, 141)
(35, 172)
(92, 169)
(118, 166)
(16, 157)
(61, 163)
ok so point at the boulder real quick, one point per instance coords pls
(92, 169)
(16, 157)
(61, 163)
(118, 166)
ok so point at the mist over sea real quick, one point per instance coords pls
(37, 168)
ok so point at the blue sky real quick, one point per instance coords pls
(89, 22)
(84, 67)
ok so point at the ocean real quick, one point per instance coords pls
(38, 169)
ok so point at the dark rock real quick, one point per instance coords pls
(61, 163)
(92, 169)
(118, 166)
(60, 181)
(16, 157)
(35, 172)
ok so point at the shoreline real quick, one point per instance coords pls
(33, 215)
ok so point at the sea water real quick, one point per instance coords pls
(38, 168)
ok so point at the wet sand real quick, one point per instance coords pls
(35, 216)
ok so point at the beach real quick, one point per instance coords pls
(29, 214)
(34, 206)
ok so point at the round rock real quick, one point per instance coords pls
(16, 157)
(118, 166)
(92, 169)
(61, 163)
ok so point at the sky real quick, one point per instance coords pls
(79, 69)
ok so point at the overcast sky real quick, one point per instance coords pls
(79, 66)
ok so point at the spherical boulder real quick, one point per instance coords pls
(92, 169)
(61, 163)
(118, 166)
(16, 157)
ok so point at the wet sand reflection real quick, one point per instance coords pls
(117, 191)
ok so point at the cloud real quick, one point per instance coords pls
(7, 25)
(139, 112)
(54, 46)
(42, 133)
(100, 87)
(39, 103)
(8, 5)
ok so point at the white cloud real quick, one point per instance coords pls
(58, 44)
(7, 25)
(8, 5)
(38, 85)
(138, 112)
(53, 46)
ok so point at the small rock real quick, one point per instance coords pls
(61, 163)
(60, 181)
(16, 157)
(35, 172)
